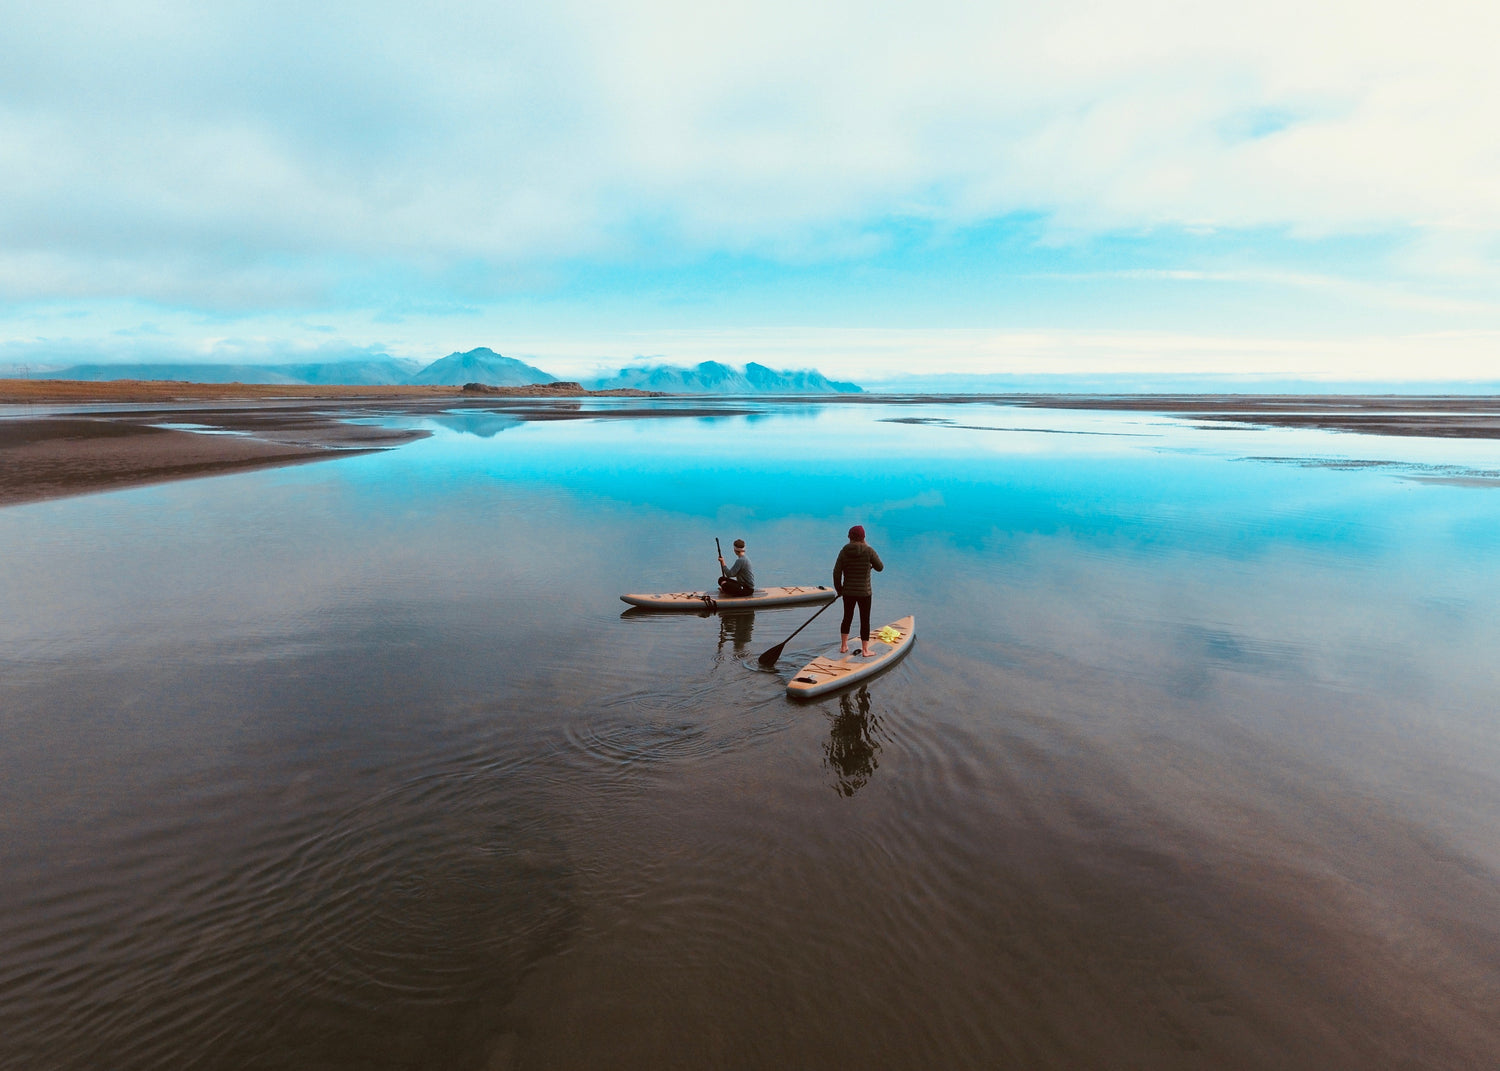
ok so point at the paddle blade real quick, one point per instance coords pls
(769, 658)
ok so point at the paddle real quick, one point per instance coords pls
(720, 548)
(769, 658)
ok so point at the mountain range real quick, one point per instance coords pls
(711, 377)
(481, 365)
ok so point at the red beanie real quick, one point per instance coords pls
(857, 532)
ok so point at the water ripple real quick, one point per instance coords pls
(435, 894)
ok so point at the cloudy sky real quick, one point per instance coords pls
(1283, 188)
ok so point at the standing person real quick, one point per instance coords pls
(739, 578)
(851, 579)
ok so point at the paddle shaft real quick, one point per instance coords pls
(720, 548)
(770, 657)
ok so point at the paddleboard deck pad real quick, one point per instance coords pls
(712, 600)
(832, 670)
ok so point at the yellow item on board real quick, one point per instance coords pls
(888, 635)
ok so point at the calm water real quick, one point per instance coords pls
(360, 764)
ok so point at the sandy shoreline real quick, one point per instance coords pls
(1442, 416)
(174, 430)
(55, 456)
(1451, 416)
(74, 447)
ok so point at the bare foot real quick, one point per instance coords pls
(843, 648)
(865, 652)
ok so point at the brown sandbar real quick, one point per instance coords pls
(77, 448)
(56, 456)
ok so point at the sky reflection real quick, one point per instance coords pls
(256, 695)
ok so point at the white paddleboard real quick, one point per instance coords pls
(832, 670)
(712, 600)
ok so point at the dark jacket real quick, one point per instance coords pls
(851, 573)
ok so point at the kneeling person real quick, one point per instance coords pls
(738, 579)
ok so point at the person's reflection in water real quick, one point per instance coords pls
(736, 627)
(851, 749)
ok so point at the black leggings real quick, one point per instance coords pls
(733, 585)
(863, 602)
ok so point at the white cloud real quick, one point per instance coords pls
(864, 355)
(241, 156)
(869, 355)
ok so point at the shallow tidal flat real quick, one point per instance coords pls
(69, 437)
(361, 763)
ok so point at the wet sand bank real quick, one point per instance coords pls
(1442, 416)
(55, 456)
(76, 446)
(1445, 416)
